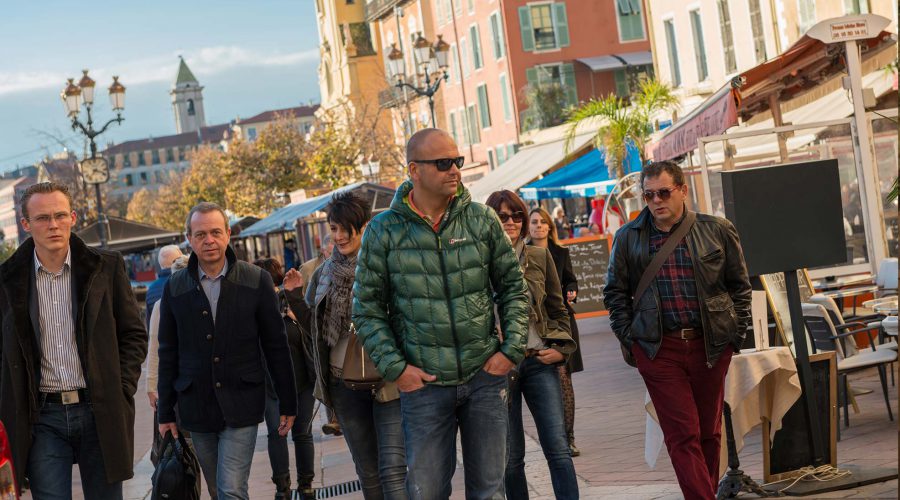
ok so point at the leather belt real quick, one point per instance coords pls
(66, 397)
(685, 333)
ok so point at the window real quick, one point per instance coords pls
(699, 46)
(466, 61)
(126, 160)
(143, 178)
(621, 78)
(128, 180)
(673, 52)
(511, 150)
(472, 118)
(496, 35)
(453, 131)
(191, 111)
(251, 133)
(631, 22)
(458, 7)
(727, 38)
(483, 106)
(857, 7)
(439, 11)
(141, 159)
(476, 46)
(759, 37)
(559, 74)
(806, 13)
(155, 157)
(491, 159)
(504, 94)
(471, 4)
(464, 120)
(544, 26)
(501, 155)
(170, 155)
(455, 70)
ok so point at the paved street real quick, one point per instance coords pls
(609, 431)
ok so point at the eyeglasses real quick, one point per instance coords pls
(517, 217)
(44, 219)
(444, 164)
(664, 194)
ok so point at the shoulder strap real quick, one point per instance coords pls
(663, 253)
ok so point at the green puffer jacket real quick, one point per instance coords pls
(425, 298)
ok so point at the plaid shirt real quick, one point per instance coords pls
(677, 288)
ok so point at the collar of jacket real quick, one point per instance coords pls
(460, 201)
(644, 219)
(194, 264)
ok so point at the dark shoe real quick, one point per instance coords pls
(282, 487)
(305, 494)
(332, 429)
(573, 450)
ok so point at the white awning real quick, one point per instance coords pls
(525, 166)
(617, 61)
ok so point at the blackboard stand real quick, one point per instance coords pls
(735, 481)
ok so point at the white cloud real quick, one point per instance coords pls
(205, 61)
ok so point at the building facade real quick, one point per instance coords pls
(10, 215)
(303, 117)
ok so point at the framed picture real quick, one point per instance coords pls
(778, 303)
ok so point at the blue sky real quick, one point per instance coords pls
(249, 56)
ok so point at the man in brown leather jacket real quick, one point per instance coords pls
(683, 330)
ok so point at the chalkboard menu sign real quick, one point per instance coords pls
(590, 258)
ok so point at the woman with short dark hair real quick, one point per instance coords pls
(536, 378)
(370, 419)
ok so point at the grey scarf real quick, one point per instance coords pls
(339, 296)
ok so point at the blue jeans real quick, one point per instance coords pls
(374, 435)
(229, 455)
(431, 416)
(301, 433)
(63, 435)
(539, 384)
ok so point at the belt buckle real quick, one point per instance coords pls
(682, 335)
(69, 397)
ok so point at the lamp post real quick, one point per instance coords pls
(94, 170)
(431, 59)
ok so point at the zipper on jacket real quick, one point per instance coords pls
(449, 306)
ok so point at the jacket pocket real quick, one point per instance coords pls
(722, 318)
(253, 378)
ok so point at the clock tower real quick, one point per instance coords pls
(187, 100)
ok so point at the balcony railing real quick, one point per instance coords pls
(376, 9)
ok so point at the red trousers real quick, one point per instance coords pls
(688, 398)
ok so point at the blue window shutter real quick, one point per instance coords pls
(561, 24)
(567, 73)
(526, 28)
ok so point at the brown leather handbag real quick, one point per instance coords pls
(655, 266)
(359, 371)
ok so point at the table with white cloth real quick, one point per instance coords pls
(759, 384)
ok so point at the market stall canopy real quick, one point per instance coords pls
(285, 217)
(617, 61)
(586, 176)
(526, 165)
(128, 236)
(805, 66)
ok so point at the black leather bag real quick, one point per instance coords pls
(177, 475)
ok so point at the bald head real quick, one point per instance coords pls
(167, 256)
(423, 141)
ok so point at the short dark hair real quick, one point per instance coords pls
(273, 267)
(656, 168)
(43, 188)
(515, 203)
(349, 210)
(204, 207)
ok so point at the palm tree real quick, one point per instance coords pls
(621, 123)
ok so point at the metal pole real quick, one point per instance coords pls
(101, 218)
(866, 169)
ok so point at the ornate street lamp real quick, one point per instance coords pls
(94, 170)
(428, 57)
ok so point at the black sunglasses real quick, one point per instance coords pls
(664, 194)
(444, 164)
(517, 217)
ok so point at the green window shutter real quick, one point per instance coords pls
(527, 29)
(474, 131)
(621, 83)
(496, 36)
(531, 74)
(453, 131)
(484, 106)
(504, 93)
(561, 24)
(567, 74)
(477, 61)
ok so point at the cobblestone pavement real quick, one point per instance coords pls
(609, 429)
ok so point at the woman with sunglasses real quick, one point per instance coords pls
(370, 419)
(537, 376)
(542, 232)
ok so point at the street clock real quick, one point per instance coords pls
(95, 170)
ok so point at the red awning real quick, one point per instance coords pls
(801, 68)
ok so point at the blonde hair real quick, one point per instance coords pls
(549, 221)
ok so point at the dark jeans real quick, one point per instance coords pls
(301, 433)
(63, 435)
(688, 396)
(539, 384)
(375, 438)
(431, 416)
